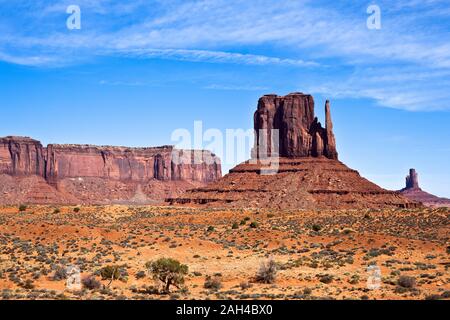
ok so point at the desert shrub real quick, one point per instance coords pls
(76, 210)
(448, 250)
(247, 219)
(307, 291)
(28, 284)
(169, 271)
(112, 272)
(354, 279)
(316, 227)
(22, 207)
(243, 222)
(267, 272)
(90, 283)
(326, 278)
(245, 285)
(235, 226)
(60, 274)
(210, 229)
(56, 211)
(407, 282)
(254, 225)
(213, 283)
(140, 275)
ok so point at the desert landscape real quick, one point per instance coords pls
(87, 222)
(316, 254)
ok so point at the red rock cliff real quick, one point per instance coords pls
(21, 156)
(300, 133)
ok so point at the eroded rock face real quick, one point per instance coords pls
(307, 173)
(412, 180)
(413, 191)
(300, 134)
(80, 169)
(21, 156)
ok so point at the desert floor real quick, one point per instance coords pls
(318, 255)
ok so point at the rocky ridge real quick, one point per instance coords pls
(98, 174)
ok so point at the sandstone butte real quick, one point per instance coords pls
(413, 192)
(85, 174)
(308, 175)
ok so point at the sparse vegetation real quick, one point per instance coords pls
(59, 274)
(267, 272)
(90, 283)
(168, 271)
(110, 273)
(407, 282)
(22, 208)
(213, 283)
(107, 242)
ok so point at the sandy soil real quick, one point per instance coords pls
(318, 254)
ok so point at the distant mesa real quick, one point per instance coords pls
(309, 174)
(86, 174)
(413, 192)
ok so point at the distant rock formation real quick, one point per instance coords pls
(300, 132)
(413, 192)
(307, 174)
(412, 180)
(103, 174)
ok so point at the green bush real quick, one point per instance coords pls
(210, 229)
(169, 271)
(254, 225)
(76, 210)
(316, 227)
(22, 208)
(111, 272)
(56, 211)
(235, 226)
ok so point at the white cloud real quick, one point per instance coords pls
(299, 34)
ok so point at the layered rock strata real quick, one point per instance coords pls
(94, 174)
(294, 165)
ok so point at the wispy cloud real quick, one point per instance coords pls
(296, 34)
(214, 57)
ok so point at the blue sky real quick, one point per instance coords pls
(138, 70)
